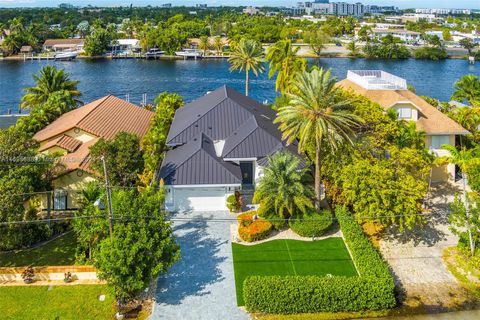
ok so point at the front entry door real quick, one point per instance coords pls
(247, 173)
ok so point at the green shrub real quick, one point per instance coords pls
(277, 222)
(250, 230)
(306, 294)
(234, 202)
(373, 289)
(311, 225)
(430, 53)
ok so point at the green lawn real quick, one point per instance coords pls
(59, 252)
(290, 257)
(61, 302)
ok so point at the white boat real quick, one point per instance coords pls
(66, 55)
(189, 53)
(154, 53)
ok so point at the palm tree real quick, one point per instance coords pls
(218, 45)
(283, 59)
(49, 80)
(204, 44)
(247, 55)
(315, 114)
(16, 25)
(281, 191)
(464, 159)
(467, 88)
(353, 49)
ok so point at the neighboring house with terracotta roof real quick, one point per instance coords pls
(60, 45)
(72, 135)
(220, 144)
(390, 91)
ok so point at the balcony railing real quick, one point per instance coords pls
(376, 80)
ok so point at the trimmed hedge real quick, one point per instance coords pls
(312, 224)
(373, 289)
(250, 230)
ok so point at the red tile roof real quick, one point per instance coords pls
(104, 118)
(65, 142)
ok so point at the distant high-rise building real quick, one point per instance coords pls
(66, 6)
(346, 9)
(442, 11)
(374, 9)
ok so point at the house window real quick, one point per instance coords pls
(404, 113)
(60, 200)
(438, 141)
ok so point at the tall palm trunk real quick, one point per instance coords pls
(247, 71)
(318, 176)
(467, 213)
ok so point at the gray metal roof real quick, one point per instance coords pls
(197, 163)
(218, 114)
(242, 127)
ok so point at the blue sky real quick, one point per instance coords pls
(470, 4)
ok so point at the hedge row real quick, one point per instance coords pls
(313, 224)
(372, 290)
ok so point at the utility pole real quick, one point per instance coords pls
(109, 197)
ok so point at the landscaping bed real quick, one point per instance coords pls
(290, 257)
(56, 302)
(58, 252)
(372, 289)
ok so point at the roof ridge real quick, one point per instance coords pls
(197, 119)
(93, 109)
(195, 151)
(244, 138)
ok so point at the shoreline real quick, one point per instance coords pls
(170, 58)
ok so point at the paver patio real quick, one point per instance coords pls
(201, 285)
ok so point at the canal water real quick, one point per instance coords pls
(192, 79)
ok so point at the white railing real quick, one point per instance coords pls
(376, 80)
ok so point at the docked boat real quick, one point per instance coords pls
(66, 55)
(189, 53)
(154, 53)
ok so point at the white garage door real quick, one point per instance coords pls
(199, 199)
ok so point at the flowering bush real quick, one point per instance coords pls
(253, 230)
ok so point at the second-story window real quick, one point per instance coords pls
(404, 113)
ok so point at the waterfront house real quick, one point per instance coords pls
(219, 144)
(75, 132)
(404, 35)
(60, 45)
(125, 46)
(195, 42)
(390, 91)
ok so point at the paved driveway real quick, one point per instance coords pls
(201, 285)
(415, 256)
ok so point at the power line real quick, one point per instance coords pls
(120, 217)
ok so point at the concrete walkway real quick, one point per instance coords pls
(201, 285)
